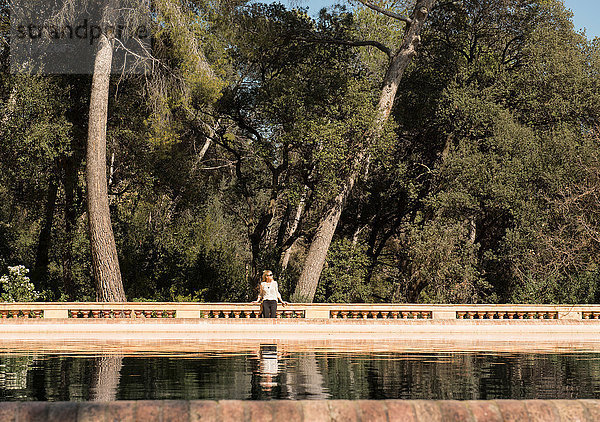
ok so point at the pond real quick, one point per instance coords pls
(287, 371)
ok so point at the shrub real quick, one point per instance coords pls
(16, 286)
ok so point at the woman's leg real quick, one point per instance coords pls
(270, 308)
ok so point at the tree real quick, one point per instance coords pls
(105, 261)
(398, 62)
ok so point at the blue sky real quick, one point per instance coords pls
(586, 12)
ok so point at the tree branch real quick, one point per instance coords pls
(350, 43)
(386, 12)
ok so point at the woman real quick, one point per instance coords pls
(269, 295)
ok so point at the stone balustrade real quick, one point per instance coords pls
(305, 411)
(338, 311)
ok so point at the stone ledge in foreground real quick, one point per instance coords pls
(304, 411)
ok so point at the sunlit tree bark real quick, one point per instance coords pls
(399, 61)
(105, 262)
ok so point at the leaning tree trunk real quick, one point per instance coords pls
(105, 378)
(317, 252)
(105, 262)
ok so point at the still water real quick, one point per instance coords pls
(271, 371)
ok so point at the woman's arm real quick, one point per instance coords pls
(261, 293)
(279, 298)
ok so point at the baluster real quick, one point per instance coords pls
(334, 314)
(426, 315)
(394, 314)
(25, 313)
(96, 313)
(171, 313)
(344, 314)
(106, 313)
(13, 314)
(288, 314)
(3, 314)
(460, 314)
(138, 313)
(85, 313)
(148, 314)
(520, 315)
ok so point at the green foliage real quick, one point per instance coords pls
(16, 286)
(191, 257)
(343, 278)
(483, 187)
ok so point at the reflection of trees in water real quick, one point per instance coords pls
(302, 375)
(221, 376)
(304, 378)
(463, 376)
(298, 377)
(13, 372)
(105, 379)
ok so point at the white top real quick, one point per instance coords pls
(269, 291)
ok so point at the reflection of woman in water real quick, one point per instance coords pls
(268, 366)
(269, 295)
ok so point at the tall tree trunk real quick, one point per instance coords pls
(105, 262)
(317, 252)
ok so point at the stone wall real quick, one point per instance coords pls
(304, 410)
